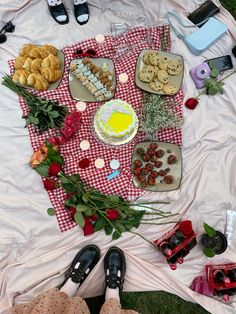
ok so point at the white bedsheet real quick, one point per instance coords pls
(33, 252)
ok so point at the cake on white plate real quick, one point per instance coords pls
(116, 119)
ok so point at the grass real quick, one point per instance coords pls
(157, 302)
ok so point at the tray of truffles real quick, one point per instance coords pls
(39, 67)
(157, 166)
(159, 72)
(92, 80)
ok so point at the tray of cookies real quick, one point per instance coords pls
(39, 67)
(92, 80)
(159, 72)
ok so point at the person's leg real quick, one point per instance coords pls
(58, 11)
(81, 266)
(81, 11)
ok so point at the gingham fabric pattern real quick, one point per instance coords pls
(71, 152)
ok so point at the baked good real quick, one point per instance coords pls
(156, 85)
(52, 75)
(49, 49)
(116, 119)
(146, 74)
(163, 63)
(20, 60)
(170, 89)
(146, 57)
(156, 69)
(154, 57)
(36, 65)
(163, 76)
(24, 51)
(20, 76)
(35, 53)
(51, 62)
(37, 81)
(27, 64)
(174, 67)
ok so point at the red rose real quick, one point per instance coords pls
(72, 212)
(186, 227)
(77, 116)
(112, 214)
(49, 184)
(94, 217)
(67, 132)
(88, 229)
(69, 121)
(191, 103)
(87, 221)
(84, 163)
(54, 169)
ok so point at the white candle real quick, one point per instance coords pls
(99, 163)
(81, 106)
(84, 145)
(123, 78)
(100, 39)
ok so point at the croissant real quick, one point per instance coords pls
(19, 62)
(49, 49)
(52, 75)
(35, 53)
(36, 65)
(20, 76)
(27, 64)
(51, 62)
(37, 81)
(24, 51)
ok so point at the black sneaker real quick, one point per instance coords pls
(87, 259)
(58, 10)
(80, 9)
(114, 261)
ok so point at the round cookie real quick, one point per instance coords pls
(156, 85)
(170, 89)
(146, 57)
(154, 57)
(163, 76)
(146, 74)
(174, 67)
(163, 62)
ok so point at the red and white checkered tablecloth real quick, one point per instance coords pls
(97, 178)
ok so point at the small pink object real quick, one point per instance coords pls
(225, 297)
(173, 266)
(180, 260)
(200, 285)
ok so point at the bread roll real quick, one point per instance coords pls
(51, 62)
(20, 76)
(37, 81)
(49, 49)
(36, 65)
(52, 75)
(27, 64)
(24, 51)
(19, 62)
(35, 53)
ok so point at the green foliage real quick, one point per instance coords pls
(209, 252)
(209, 230)
(51, 212)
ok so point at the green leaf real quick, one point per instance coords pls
(69, 187)
(42, 170)
(63, 179)
(122, 215)
(89, 212)
(108, 229)
(51, 212)
(85, 198)
(208, 252)
(116, 235)
(209, 230)
(120, 226)
(212, 90)
(128, 227)
(214, 72)
(54, 114)
(79, 219)
(114, 198)
(81, 208)
(70, 202)
(100, 223)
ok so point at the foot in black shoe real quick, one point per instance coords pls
(114, 266)
(82, 264)
(81, 11)
(58, 11)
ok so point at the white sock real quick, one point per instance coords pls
(112, 293)
(70, 287)
(53, 3)
(83, 17)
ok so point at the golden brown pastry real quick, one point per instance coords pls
(51, 62)
(52, 75)
(49, 49)
(37, 81)
(35, 53)
(36, 65)
(27, 64)
(20, 76)
(19, 62)
(24, 51)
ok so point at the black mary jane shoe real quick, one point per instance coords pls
(114, 261)
(80, 9)
(87, 259)
(58, 10)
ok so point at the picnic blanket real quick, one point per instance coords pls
(34, 254)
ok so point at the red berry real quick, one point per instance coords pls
(160, 153)
(140, 151)
(144, 185)
(141, 179)
(54, 169)
(137, 171)
(153, 146)
(154, 174)
(149, 166)
(154, 158)
(138, 163)
(151, 181)
(158, 164)
(162, 173)
(144, 171)
(191, 103)
(171, 159)
(146, 157)
(151, 152)
(168, 179)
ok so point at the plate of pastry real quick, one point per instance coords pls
(92, 80)
(159, 72)
(157, 166)
(39, 67)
